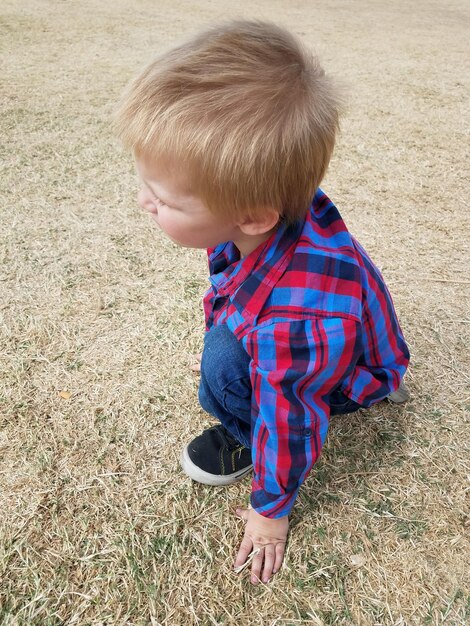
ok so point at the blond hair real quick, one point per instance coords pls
(245, 110)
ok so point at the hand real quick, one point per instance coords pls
(196, 367)
(268, 537)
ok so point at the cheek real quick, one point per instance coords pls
(170, 222)
(179, 228)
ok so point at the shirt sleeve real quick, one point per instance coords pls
(295, 366)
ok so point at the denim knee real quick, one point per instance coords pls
(225, 373)
(225, 387)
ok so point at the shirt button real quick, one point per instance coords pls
(307, 432)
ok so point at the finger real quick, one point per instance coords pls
(269, 558)
(196, 367)
(256, 566)
(245, 549)
(242, 513)
(280, 549)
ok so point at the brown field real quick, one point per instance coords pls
(100, 317)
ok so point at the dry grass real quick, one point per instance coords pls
(98, 524)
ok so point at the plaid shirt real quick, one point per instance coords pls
(314, 314)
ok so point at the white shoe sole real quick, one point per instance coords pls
(400, 395)
(216, 480)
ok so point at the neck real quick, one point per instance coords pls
(247, 244)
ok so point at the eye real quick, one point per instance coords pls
(155, 199)
(159, 203)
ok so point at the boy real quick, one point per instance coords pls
(232, 132)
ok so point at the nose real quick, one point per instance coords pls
(146, 201)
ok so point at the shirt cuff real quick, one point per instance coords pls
(272, 505)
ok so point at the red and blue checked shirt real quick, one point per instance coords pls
(314, 314)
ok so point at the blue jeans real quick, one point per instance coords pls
(225, 387)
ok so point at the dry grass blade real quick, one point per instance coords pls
(251, 556)
(100, 317)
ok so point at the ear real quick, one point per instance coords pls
(260, 224)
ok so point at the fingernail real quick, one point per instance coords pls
(265, 580)
(254, 580)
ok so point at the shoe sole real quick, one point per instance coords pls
(399, 396)
(216, 480)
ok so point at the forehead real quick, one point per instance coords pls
(168, 175)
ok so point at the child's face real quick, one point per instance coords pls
(166, 194)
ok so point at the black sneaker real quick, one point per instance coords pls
(216, 458)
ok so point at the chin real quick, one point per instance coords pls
(182, 244)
